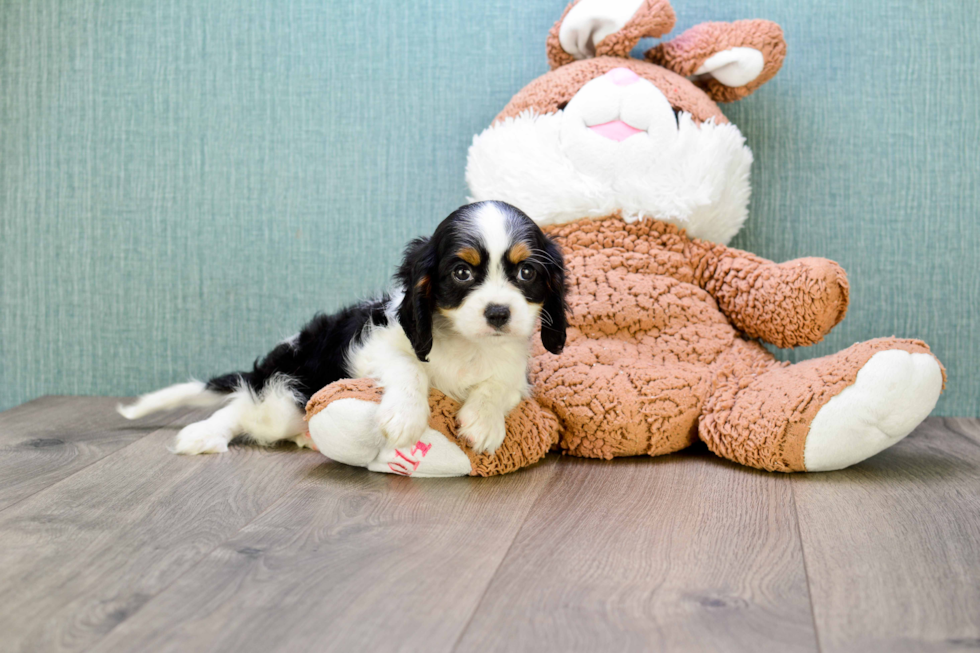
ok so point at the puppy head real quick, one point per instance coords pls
(487, 272)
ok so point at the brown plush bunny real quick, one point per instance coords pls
(631, 166)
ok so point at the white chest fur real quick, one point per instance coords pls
(456, 365)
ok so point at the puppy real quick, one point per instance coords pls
(459, 318)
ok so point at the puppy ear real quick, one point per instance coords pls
(554, 318)
(415, 312)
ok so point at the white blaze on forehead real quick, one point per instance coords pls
(491, 223)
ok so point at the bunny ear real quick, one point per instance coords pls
(606, 28)
(728, 60)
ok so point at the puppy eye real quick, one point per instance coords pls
(526, 273)
(462, 273)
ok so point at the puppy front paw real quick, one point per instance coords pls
(402, 420)
(482, 427)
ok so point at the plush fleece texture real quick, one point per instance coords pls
(661, 349)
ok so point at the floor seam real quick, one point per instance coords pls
(507, 551)
(806, 571)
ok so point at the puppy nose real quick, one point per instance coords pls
(497, 315)
(622, 76)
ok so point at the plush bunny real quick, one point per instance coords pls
(631, 166)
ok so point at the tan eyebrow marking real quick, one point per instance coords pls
(518, 253)
(469, 255)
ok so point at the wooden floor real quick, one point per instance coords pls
(108, 542)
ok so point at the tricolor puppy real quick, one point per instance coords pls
(460, 317)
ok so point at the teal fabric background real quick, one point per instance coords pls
(183, 183)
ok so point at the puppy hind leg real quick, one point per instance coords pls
(276, 415)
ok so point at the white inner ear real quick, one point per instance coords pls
(733, 67)
(590, 21)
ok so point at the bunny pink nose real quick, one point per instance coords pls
(622, 76)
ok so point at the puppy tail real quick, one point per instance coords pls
(193, 393)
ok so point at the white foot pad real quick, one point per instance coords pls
(893, 393)
(201, 437)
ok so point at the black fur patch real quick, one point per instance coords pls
(314, 358)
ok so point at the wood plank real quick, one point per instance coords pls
(349, 560)
(892, 545)
(50, 411)
(684, 552)
(81, 556)
(51, 438)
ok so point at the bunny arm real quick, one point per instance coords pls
(789, 304)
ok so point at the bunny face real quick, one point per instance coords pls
(607, 134)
